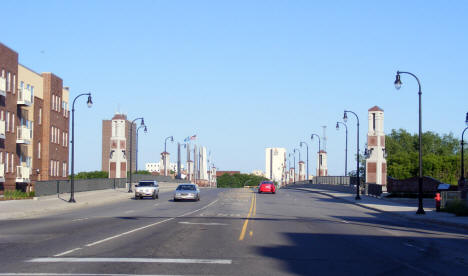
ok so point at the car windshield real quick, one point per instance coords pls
(186, 187)
(145, 184)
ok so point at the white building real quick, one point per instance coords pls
(322, 163)
(159, 167)
(275, 163)
(376, 165)
(118, 148)
(203, 168)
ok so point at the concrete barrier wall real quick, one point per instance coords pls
(43, 188)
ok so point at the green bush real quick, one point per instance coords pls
(17, 194)
(238, 180)
(457, 207)
(92, 175)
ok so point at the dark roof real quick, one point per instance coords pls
(375, 108)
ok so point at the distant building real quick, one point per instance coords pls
(322, 163)
(275, 163)
(116, 146)
(258, 173)
(158, 167)
(219, 173)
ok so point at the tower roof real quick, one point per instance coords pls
(118, 116)
(375, 108)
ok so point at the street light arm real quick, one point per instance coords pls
(346, 111)
(411, 74)
(84, 94)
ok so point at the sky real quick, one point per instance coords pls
(246, 75)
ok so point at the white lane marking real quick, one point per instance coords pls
(74, 274)
(80, 219)
(344, 221)
(147, 226)
(128, 212)
(156, 204)
(130, 260)
(67, 252)
(202, 223)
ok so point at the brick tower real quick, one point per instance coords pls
(376, 165)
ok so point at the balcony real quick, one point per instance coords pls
(2, 129)
(2, 173)
(23, 135)
(3, 86)
(24, 97)
(22, 174)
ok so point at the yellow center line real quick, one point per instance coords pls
(246, 222)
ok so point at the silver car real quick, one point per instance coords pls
(187, 191)
(147, 188)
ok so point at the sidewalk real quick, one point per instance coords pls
(404, 208)
(53, 204)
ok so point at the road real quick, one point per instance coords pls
(230, 232)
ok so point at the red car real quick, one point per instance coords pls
(267, 187)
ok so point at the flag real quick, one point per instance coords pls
(193, 137)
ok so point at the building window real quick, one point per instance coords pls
(58, 104)
(12, 162)
(52, 134)
(7, 123)
(64, 169)
(14, 83)
(8, 81)
(13, 122)
(39, 150)
(53, 102)
(373, 121)
(40, 116)
(6, 162)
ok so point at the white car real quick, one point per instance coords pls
(147, 188)
(187, 191)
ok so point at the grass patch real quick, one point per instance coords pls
(457, 207)
(17, 194)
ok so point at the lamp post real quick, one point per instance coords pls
(398, 84)
(346, 146)
(165, 153)
(345, 118)
(461, 182)
(294, 164)
(298, 161)
(131, 149)
(146, 131)
(312, 138)
(72, 180)
(307, 147)
(289, 168)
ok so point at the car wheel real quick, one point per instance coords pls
(154, 196)
(157, 195)
(198, 198)
(259, 192)
(175, 200)
(141, 197)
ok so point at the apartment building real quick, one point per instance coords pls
(34, 122)
(116, 146)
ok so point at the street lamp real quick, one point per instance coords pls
(307, 147)
(345, 119)
(398, 84)
(72, 181)
(461, 182)
(298, 161)
(165, 153)
(146, 131)
(131, 148)
(346, 146)
(319, 167)
(289, 162)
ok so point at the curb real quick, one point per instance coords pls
(424, 219)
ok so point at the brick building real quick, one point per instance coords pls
(116, 146)
(34, 122)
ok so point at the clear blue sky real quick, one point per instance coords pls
(245, 75)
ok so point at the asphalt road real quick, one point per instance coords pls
(230, 232)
